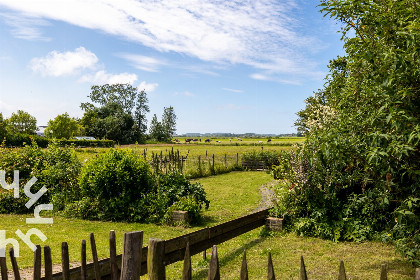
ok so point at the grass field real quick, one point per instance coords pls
(231, 195)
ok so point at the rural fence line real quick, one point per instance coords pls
(152, 259)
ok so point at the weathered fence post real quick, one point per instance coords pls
(131, 259)
(237, 158)
(113, 255)
(270, 268)
(155, 257)
(384, 272)
(83, 261)
(244, 268)
(214, 272)
(187, 272)
(3, 267)
(14, 264)
(65, 262)
(225, 160)
(342, 273)
(303, 275)
(418, 273)
(37, 263)
(95, 257)
(48, 263)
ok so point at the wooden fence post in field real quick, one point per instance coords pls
(187, 272)
(214, 272)
(155, 259)
(14, 264)
(213, 164)
(65, 262)
(3, 267)
(225, 160)
(113, 255)
(95, 257)
(131, 259)
(237, 158)
(384, 272)
(48, 263)
(342, 273)
(83, 261)
(418, 273)
(303, 275)
(270, 268)
(37, 263)
(244, 268)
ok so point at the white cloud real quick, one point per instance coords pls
(185, 93)
(260, 33)
(147, 87)
(64, 64)
(233, 90)
(141, 62)
(25, 27)
(102, 77)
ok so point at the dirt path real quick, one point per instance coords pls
(267, 196)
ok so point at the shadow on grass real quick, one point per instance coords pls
(224, 260)
(396, 267)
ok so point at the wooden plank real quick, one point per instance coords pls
(37, 263)
(14, 264)
(83, 261)
(65, 262)
(113, 255)
(342, 272)
(48, 263)
(3, 267)
(303, 275)
(244, 268)
(270, 268)
(95, 256)
(155, 259)
(130, 267)
(214, 271)
(384, 272)
(187, 271)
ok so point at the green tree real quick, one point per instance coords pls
(169, 122)
(156, 130)
(120, 105)
(3, 127)
(357, 173)
(63, 127)
(21, 122)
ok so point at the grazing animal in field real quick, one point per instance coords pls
(207, 140)
(239, 139)
(218, 141)
(188, 140)
(195, 140)
(260, 142)
(269, 140)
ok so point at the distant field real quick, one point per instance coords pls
(243, 141)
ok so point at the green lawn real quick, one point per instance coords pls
(231, 195)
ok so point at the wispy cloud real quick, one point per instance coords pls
(64, 63)
(148, 87)
(261, 33)
(102, 77)
(142, 62)
(185, 93)
(25, 27)
(233, 90)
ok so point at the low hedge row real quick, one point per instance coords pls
(86, 143)
(20, 140)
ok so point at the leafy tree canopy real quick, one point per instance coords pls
(63, 127)
(21, 122)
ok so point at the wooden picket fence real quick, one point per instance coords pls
(137, 260)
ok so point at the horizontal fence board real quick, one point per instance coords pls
(199, 240)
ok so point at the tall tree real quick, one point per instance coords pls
(156, 130)
(169, 122)
(21, 122)
(3, 127)
(63, 126)
(116, 102)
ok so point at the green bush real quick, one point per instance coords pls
(20, 140)
(55, 168)
(267, 158)
(86, 143)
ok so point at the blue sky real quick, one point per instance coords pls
(225, 66)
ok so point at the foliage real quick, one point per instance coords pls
(86, 143)
(121, 115)
(118, 185)
(3, 127)
(55, 168)
(21, 122)
(267, 158)
(63, 127)
(360, 162)
(164, 130)
(20, 140)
